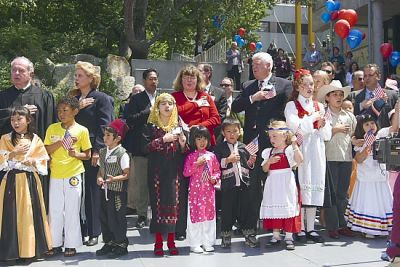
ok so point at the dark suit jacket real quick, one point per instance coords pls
(220, 100)
(356, 97)
(33, 95)
(96, 117)
(259, 114)
(137, 112)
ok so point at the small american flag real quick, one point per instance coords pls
(206, 175)
(183, 125)
(67, 141)
(378, 93)
(369, 138)
(300, 136)
(270, 94)
(252, 147)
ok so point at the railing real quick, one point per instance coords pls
(215, 54)
(180, 57)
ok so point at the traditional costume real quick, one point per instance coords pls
(24, 229)
(201, 228)
(280, 207)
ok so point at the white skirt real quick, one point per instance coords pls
(280, 198)
(370, 209)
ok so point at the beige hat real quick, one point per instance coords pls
(391, 84)
(335, 85)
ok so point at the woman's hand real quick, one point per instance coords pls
(182, 139)
(95, 158)
(83, 103)
(200, 161)
(100, 181)
(169, 137)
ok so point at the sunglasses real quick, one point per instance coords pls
(360, 79)
(328, 71)
(225, 85)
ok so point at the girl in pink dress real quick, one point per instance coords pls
(203, 169)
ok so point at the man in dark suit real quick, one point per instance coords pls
(365, 102)
(217, 94)
(136, 114)
(262, 99)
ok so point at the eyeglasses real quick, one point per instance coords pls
(360, 79)
(225, 85)
(328, 71)
(189, 78)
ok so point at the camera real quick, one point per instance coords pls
(387, 151)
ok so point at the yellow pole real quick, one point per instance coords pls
(311, 34)
(298, 34)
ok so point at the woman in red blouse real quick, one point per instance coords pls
(195, 106)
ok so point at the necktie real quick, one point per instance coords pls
(370, 94)
(260, 84)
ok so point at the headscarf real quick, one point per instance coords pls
(154, 116)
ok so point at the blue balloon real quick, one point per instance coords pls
(259, 45)
(237, 38)
(394, 58)
(354, 38)
(240, 43)
(326, 17)
(330, 5)
(338, 5)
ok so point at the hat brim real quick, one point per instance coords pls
(326, 89)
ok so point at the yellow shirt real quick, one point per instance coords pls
(62, 165)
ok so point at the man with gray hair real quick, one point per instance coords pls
(262, 99)
(23, 92)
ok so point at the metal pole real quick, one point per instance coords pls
(370, 55)
(311, 34)
(299, 52)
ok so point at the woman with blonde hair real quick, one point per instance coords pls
(96, 112)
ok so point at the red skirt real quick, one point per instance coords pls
(290, 225)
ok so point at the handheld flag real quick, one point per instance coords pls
(206, 175)
(252, 147)
(67, 141)
(369, 138)
(300, 136)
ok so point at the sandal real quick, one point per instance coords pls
(69, 252)
(52, 252)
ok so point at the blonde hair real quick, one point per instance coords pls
(280, 126)
(189, 70)
(323, 74)
(91, 71)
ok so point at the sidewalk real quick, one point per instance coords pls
(357, 252)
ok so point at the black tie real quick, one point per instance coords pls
(260, 84)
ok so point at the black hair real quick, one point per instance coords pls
(22, 111)
(198, 132)
(361, 119)
(147, 72)
(112, 131)
(71, 101)
(228, 121)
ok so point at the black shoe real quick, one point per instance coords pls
(314, 238)
(104, 250)
(251, 240)
(117, 252)
(301, 238)
(141, 222)
(92, 241)
(180, 237)
(226, 242)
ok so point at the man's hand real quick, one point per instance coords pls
(32, 108)
(366, 103)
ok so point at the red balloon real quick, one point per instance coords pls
(252, 46)
(364, 35)
(340, 13)
(386, 50)
(342, 28)
(334, 15)
(241, 31)
(350, 15)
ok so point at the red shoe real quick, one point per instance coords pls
(346, 232)
(173, 251)
(158, 249)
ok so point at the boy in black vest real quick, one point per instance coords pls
(112, 177)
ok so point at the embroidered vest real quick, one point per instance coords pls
(113, 168)
(301, 112)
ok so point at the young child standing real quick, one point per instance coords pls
(235, 162)
(370, 207)
(339, 157)
(305, 117)
(165, 144)
(112, 177)
(24, 230)
(67, 143)
(203, 169)
(280, 207)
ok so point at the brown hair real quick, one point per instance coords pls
(189, 70)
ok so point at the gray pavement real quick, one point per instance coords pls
(345, 252)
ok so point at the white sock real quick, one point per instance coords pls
(289, 236)
(276, 235)
(310, 217)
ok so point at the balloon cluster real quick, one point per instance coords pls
(346, 19)
(239, 39)
(388, 53)
(218, 21)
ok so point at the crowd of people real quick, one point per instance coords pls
(305, 147)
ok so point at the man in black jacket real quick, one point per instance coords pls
(136, 114)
